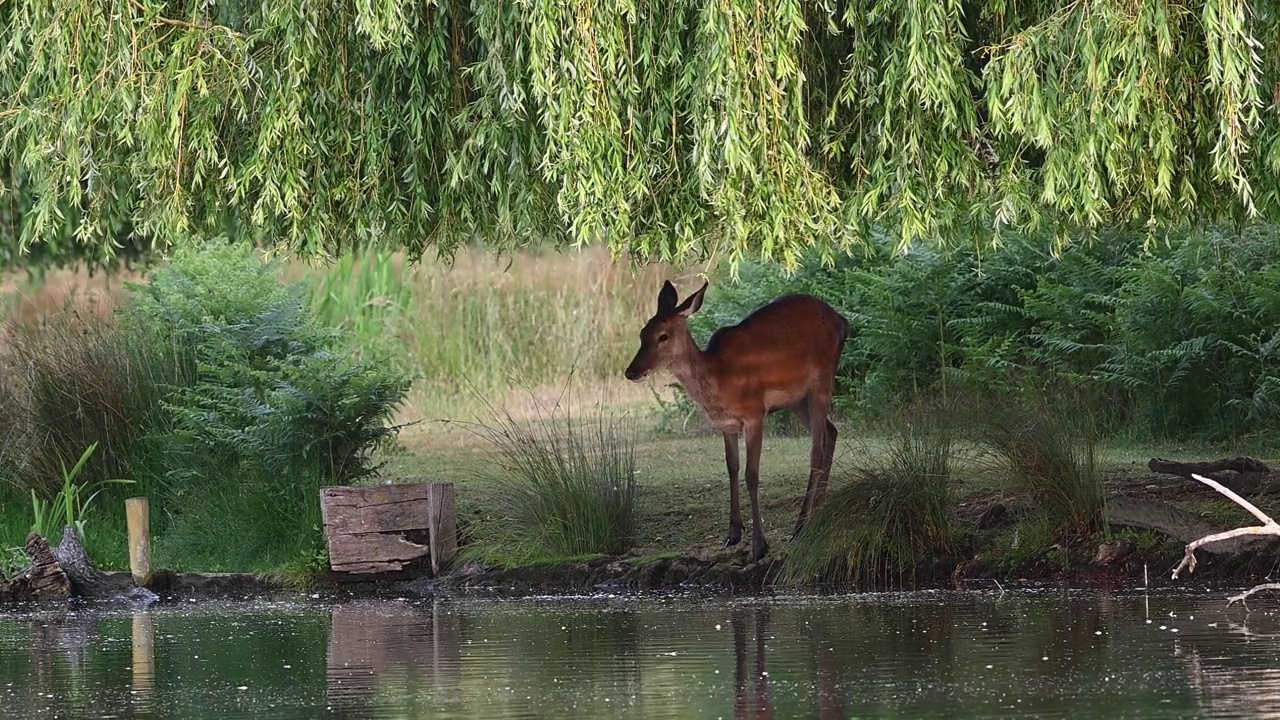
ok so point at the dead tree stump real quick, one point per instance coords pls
(389, 528)
(43, 579)
(86, 580)
(64, 571)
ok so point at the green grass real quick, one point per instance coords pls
(488, 324)
(894, 511)
(562, 484)
(1052, 467)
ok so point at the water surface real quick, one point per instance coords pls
(915, 655)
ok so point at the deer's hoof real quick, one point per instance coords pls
(759, 550)
(733, 539)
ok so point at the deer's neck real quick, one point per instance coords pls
(693, 370)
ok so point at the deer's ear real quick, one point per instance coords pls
(693, 302)
(667, 298)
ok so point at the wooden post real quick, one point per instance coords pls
(443, 526)
(144, 654)
(137, 513)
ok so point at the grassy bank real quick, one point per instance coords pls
(682, 496)
(482, 330)
(515, 333)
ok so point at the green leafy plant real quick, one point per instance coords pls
(71, 503)
(12, 561)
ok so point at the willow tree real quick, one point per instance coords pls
(669, 129)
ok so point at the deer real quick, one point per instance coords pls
(784, 354)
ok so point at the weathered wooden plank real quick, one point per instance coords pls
(366, 527)
(444, 530)
(384, 508)
(390, 517)
(373, 548)
(375, 494)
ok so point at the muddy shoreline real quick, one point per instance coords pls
(710, 574)
(724, 575)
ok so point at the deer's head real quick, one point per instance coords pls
(666, 336)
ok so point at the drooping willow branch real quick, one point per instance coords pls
(183, 23)
(670, 131)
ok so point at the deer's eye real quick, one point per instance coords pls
(662, 337)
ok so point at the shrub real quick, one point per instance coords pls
(1051, 465)
(563, 486)
(269, 388)
(892, 512)
(272, 407)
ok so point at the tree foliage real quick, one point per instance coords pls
(668, 130)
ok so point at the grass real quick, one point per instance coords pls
(496, 325)
(1049, 465)
(894, 510)
(560, 484)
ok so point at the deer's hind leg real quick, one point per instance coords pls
(731, 462)
(813, 412)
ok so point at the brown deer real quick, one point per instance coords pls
(783, 355)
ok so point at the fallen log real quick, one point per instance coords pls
(1170, 520)
(1239, 464)
(1243, 475)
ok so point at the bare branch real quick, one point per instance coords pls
(1253, 510)
(1268, 527)
(1255, 589)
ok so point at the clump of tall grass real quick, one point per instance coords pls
(1052, 466)
(563, 485)
(69, 380)
(891, 513)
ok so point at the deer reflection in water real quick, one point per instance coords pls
(760, 703)
(752, 695)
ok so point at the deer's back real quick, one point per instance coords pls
(792, 333)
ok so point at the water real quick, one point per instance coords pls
(918, 655)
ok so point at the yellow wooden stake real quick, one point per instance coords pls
(137, 512)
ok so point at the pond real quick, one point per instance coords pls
(1048, 654)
